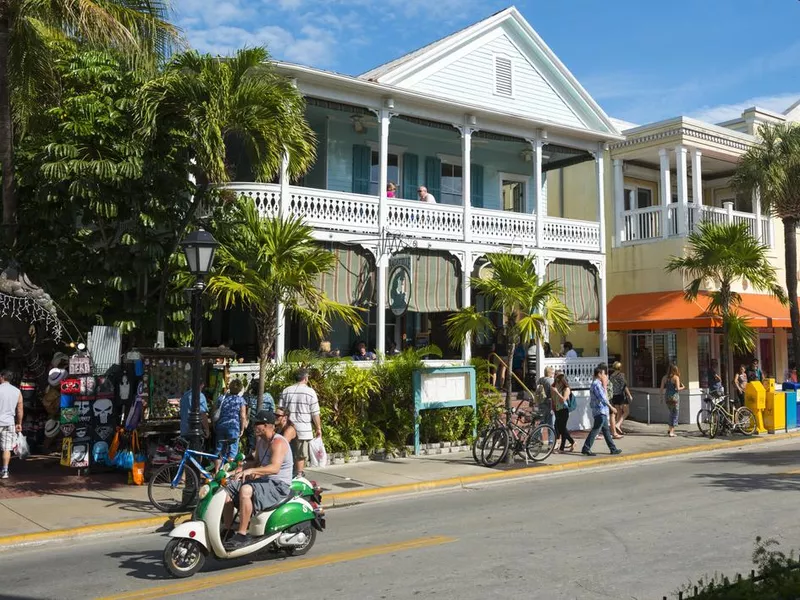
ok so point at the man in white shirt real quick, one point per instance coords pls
(10, 418)
(569, 352)
(303, 405)
(424, 196)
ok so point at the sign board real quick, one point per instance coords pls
(399, 290)
(442, 387)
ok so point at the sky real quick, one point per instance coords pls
(641, 61)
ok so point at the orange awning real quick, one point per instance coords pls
(669, 310)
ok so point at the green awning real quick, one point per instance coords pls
(435, 281)
(352, 280)
(579, 282)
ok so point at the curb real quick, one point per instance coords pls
(355, 497)
(358, 496)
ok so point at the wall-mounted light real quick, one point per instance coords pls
(389, 103)
(358, 124)
(472, 120)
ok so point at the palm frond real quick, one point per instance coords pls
(742, 337)
(466, 324)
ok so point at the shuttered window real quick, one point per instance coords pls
(503, 76)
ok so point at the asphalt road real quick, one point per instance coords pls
(638, 531)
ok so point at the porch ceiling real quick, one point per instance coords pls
(712, 167)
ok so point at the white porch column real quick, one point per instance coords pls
(466, 179)
(683, 189)
(757, 210)
(384, 117)
(697, 178)
(602, 325)
(280, 342)
(619, 200)
(541, 271)
(466, 299)
(666, 191)
(380, 309)
(284, 182)
(599, 167)
(538, 201)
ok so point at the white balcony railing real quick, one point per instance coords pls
(647, 223)
(358, 214)
(579, 371)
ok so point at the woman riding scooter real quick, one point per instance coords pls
(252, 490)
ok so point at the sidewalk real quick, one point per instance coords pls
(41, 500)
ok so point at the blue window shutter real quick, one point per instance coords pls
(362, 161)
(410, 175)
(433, 176)
(476, 185)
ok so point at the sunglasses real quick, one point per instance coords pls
(279, 415)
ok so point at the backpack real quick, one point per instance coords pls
(572, 404)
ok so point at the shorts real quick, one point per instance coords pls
(233, 449)
(267, 492)
(619, 400)
(8, 438)
(301, 449)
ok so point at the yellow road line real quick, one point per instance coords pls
(238, 575)
(793, 472)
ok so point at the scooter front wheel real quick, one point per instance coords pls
(183, 557)
(311, 537)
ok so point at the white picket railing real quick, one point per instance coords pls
(643, 223)
(357, 213)
(579, 371)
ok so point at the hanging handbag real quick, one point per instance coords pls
(218, 412)
(113, 448)
(80, 365)
(139, 461)
(572, 404)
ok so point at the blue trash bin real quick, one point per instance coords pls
(792, 405)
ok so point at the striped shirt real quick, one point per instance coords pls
(302, 402)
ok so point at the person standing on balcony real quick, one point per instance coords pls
(598, 401)
(569, 351)
(424, 196)
(391, 190)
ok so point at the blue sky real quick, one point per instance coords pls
(642, 61)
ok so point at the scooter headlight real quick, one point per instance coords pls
(204, 491)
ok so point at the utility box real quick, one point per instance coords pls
(775, 410)
(792, 406)
(755, 398)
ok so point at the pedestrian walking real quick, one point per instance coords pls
(621, 397)
(598, 401)
(11, 413)
(560, 394)
(230, 419)
(303, 404)
(671, 386)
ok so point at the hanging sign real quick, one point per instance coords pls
(399, 290)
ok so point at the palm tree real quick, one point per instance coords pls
(726, 253)
(773, 168)
(527, 306)
(219, 102)
(29, 30)
(267, 261)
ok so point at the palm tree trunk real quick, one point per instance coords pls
(509, 364)
(6, 131)
(265, 331)
(790, 247)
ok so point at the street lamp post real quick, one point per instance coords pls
(199, 248)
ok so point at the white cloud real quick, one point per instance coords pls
(726, 112)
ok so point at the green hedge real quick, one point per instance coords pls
(373, 408)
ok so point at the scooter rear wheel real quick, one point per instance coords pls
(184, 557)
(311, 537)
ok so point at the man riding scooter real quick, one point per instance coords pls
(256, 488)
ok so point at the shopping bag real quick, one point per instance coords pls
(318, 458)
(114, 447)
(21, 448)
(139, 460)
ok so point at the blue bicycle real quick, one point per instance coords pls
(174, 486)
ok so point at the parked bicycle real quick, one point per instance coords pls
(722, 417)
(523, 436)
(174, 486)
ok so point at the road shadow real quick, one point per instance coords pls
(778, 457)
(752, 482)
(148, 565)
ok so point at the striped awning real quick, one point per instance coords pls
(580, 288)
(434, 281)
(352, 279)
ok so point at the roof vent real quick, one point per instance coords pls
(503, 81)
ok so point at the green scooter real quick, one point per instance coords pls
(290, 526)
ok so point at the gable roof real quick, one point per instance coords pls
(394, 72)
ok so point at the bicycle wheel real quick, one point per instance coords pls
(478, 442)
(496, 447)
(540, 443)
(703, 420)
(745, 420)
(170, 498)
(714, 424)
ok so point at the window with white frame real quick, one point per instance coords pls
(393, 171)
(638, 197)
(451, 184)
(503, 75)
(651, 354)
